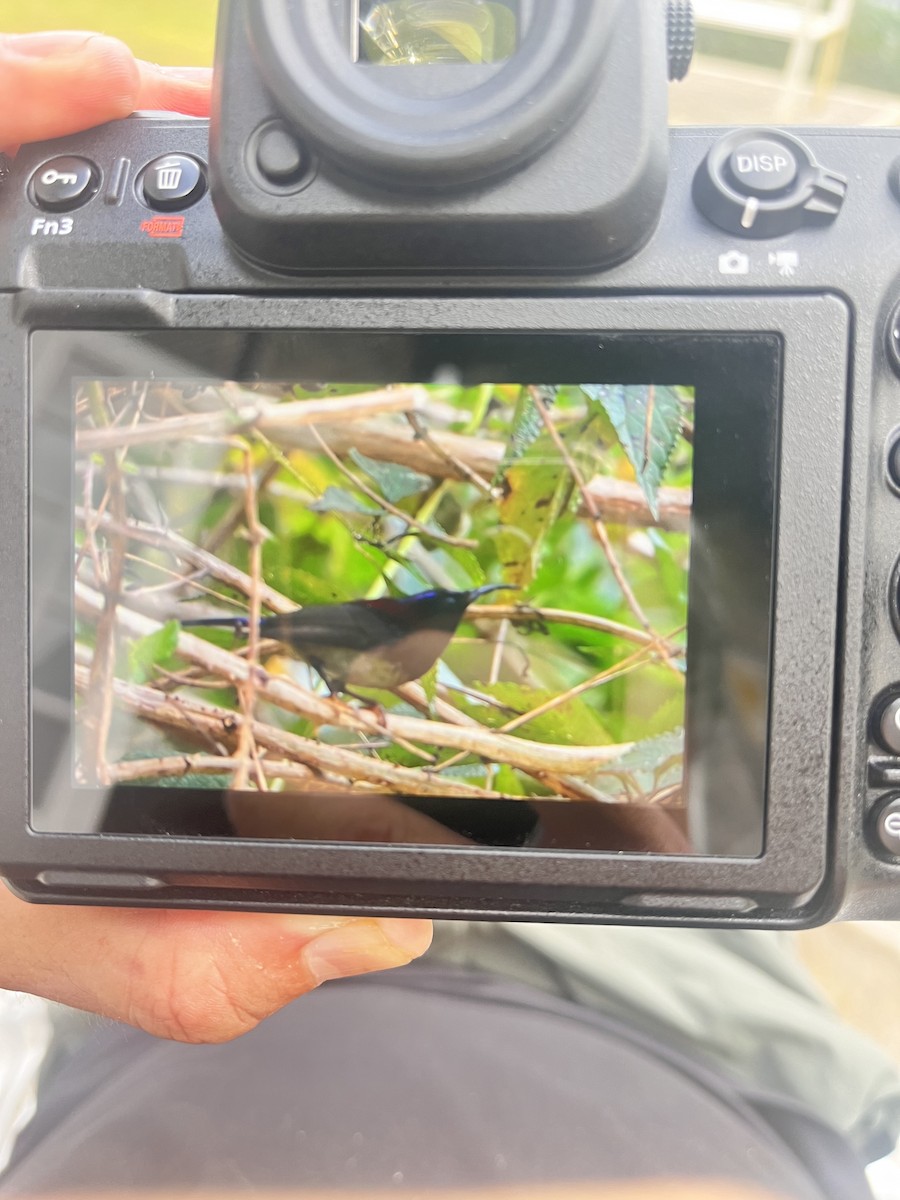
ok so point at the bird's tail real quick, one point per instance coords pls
(237, 623)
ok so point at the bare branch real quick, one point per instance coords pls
(371, 494)
(592, 507)
(197, 717)
(619, 502)
(528, 756)
(251, 412)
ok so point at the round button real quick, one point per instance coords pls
(279, 156)
(893, 340)
(889, 726)
(887, 825)
(893, 463)
(762, 167)
(64, 183)
(172, 182)
(761, 183)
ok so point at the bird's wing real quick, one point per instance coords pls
(348, 626)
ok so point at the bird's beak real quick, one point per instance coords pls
(491, 587)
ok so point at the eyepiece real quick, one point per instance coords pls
(423, 32)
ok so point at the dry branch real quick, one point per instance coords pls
(252, 412)
(197, 718)
(532, 757)
(619, 502)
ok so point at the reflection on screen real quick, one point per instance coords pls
(424, 591)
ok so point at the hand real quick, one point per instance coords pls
(193, 976)
(54, 84)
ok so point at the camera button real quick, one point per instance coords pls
(762, 167)
(893, 340)
(64, 183)
(172, 182)
(893, 463)
(279, 156)
(887, 826)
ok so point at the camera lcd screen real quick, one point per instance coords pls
(492, 595)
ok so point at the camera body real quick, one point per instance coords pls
(154, 271)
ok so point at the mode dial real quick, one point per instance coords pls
(761, 183)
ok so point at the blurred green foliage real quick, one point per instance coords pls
(871, 57)
(170, 32)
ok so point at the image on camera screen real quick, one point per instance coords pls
(472, 593)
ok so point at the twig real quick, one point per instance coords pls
(231, 520)
(251, 412)
(626, 667)
(247, 750)
(434, 535)
(599, 526)
(456, 464)
(524, 613)
(520, 753)
(179, 547)
(197, 717)
(619, 501)
(97, 717)
(133, 770)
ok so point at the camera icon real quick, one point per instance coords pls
(734, 263)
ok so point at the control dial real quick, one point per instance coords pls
(761, 183)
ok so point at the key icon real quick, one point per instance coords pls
(52, 176)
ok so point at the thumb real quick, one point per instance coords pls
(54, 84)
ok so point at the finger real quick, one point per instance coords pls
(175, 89)
(55, 84)
(190, 976)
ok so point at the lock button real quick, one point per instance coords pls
(65, 183)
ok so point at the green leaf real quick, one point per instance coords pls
(148, 652)
(527, 427)
(536, 491)
(647, 420)
(397, 483)
(339, 500)
(429, 686)
(650, 765)
(573, 723)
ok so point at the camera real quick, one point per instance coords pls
(435, 487)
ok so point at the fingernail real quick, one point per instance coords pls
(364, 945)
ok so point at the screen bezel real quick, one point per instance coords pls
(672, 333)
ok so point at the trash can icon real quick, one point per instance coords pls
(168, 176)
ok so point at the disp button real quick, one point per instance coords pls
(761, 167)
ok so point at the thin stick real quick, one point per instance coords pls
(247, 749)
(599, 526)
(520, 753)
(97, 717)
(370, 493)
(248, 412)
(458, 466)
(198, 718)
